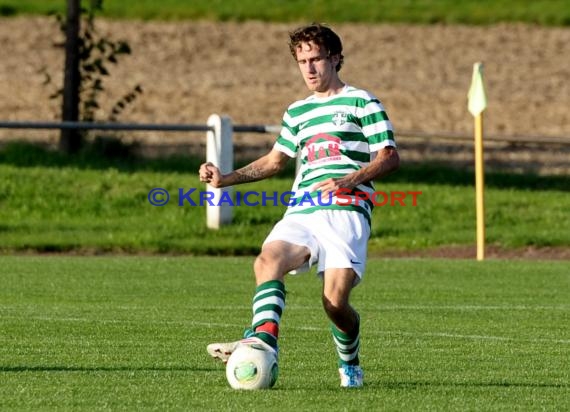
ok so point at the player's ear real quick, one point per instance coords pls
(335, 58)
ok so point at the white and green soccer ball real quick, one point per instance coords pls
(252, 367)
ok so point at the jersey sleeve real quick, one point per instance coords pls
(376, 126)
(287, 140)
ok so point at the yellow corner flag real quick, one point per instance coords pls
(477, 104)
(477, 98)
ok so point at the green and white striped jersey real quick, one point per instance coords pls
(334, 136)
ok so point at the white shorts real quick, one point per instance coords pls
(335, 238)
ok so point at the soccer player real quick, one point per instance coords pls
(345, 141)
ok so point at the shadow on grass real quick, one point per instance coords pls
(62, 368)
(104, 153)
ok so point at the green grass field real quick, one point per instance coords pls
(545, 12)
(129, 333)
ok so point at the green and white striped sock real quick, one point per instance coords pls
(347, 345)
(268, 305)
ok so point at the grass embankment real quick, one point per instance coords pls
(544, 12)
(50, 202)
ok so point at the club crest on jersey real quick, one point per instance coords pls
(339, 118)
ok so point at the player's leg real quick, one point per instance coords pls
(342, 260)
(345, 323)
(275, 260)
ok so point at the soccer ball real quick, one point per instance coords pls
(252, 367)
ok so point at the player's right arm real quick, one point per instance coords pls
(262, 168)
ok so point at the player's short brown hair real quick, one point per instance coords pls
(319, 34)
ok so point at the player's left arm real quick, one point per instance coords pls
(385, 162)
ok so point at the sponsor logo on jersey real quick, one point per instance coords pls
(323, 148)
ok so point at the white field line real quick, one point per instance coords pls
(473, 307)
(365, 307)
(307, 328)
(475, 337)
(381, 307)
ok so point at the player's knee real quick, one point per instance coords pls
(260, 263)
(267, 267)
(334, 307)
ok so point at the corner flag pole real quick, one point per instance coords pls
(477, 104)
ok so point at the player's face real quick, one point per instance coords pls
(317, 68)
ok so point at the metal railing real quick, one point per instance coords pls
(134, 127)
(527, 139)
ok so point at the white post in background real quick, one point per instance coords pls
(220, 151)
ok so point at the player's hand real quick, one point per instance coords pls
(330, 186)
(210, 174)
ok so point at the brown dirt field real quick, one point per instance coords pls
(491, 252)
(189, 70)
(444, 252)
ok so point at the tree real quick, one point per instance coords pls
(86, 57)
(71, 139)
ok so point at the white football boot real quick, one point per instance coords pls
(223, 351)
(351, 376)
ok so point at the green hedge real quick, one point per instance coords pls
(543, 12)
